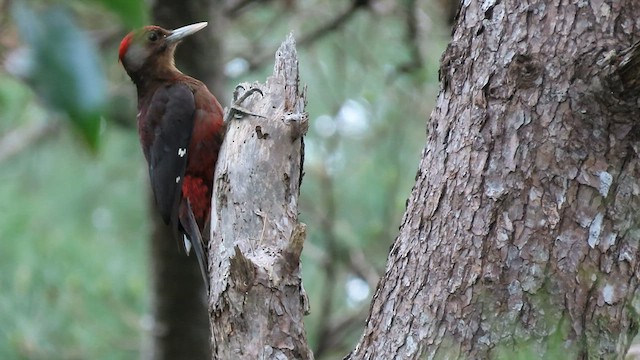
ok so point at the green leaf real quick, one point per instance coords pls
(64, 67)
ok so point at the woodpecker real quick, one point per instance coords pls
(181, 128)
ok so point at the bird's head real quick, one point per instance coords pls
(152, 47)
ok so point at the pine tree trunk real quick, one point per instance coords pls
(522, 231)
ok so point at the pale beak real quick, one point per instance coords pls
(180, 33)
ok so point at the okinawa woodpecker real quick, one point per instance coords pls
(181, 128)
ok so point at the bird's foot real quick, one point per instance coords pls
(237, 110)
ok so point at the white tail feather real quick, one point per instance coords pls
(187, 244)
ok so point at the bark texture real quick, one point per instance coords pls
(522, 230)
(179, 327)
(256, 301)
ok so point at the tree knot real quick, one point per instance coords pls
(242, 271)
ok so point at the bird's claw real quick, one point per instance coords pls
(245, 94)
(236, 109)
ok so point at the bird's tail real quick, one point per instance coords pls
(192, 232)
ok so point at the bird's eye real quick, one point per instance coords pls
(153, 36)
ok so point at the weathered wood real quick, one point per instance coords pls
(256, 300)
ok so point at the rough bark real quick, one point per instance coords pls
(521, 232)
(256, 301)
(179, 321)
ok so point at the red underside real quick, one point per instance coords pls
(199, 195)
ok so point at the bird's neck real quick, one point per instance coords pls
(148, 79)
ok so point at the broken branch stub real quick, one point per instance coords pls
(256, 301)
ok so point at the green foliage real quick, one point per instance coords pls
(131, 12)
(73, 264)
(367, 130)
(14, 100)
(72, 259)
(63, 67)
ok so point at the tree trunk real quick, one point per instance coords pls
(256, 301)
(521, 233)
(202, 55)
(180, 326)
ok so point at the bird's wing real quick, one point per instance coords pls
(172, 111)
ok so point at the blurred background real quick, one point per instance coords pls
(74, 214)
